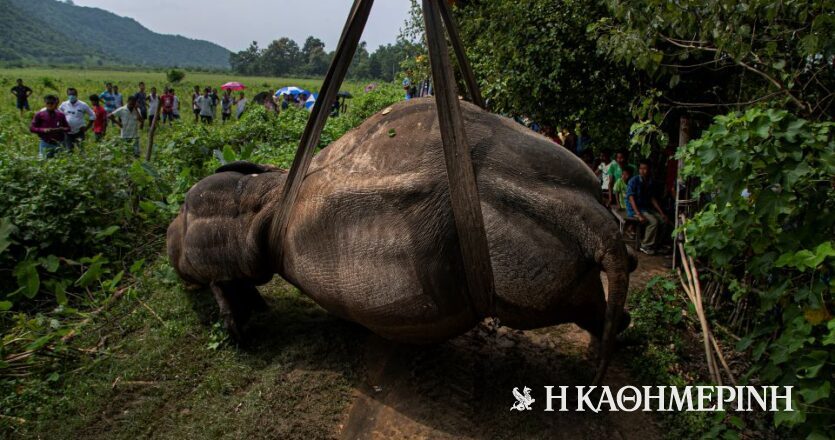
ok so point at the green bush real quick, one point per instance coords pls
(56, 213)
(175, 76)
(768, 231)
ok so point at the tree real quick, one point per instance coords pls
(314, 57)
(412, 39)
(284, 58)
(311, 45)
(246, 62)
(281, 57)
(752, 50)
(384, 63)
(536, 59)
(359, 65)
(763, 70)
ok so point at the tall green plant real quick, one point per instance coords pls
(768, 230)
(536, 59)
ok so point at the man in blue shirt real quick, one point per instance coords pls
(108, 98)
(642, 205)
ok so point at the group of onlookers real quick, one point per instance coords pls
(636, 194)
(204, 105)
(65, 125)
(628, 188)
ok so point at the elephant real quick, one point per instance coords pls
(372, 237)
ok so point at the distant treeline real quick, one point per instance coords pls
(284, 57)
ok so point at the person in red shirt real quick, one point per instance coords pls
(51, 126)
(100, 123)
(167, 106)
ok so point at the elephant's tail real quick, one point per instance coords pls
(617, 263)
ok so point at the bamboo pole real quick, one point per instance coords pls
(692, 287)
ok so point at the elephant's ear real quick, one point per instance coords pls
(245, 167)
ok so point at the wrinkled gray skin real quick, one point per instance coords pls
(372, 238)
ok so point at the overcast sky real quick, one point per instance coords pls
(235, 23)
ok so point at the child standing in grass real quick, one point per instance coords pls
(100, 123)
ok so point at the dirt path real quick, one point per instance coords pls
(462, 389)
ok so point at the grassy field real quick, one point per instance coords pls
(55, 81)
(128, 80)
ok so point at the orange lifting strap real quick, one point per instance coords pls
(466, 207)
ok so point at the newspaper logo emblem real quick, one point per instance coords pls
(523, 401)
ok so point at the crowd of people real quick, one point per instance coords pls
(629, 188)
(64, 125)
(204, 104)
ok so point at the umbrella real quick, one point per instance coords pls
(311, 101)
(292, 91)
(234, 85)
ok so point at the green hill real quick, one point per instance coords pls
(24, 40)
(49, 31)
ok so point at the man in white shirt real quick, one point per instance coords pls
(79, 116)
(153, 105)
(206, 104)
(130, 121)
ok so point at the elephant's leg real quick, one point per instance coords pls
(590, 312)
(237, 301)
(227, 309)
(590, 305)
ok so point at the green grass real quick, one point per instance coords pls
(155, 372)
(128, 80)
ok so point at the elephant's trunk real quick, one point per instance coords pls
(616, 263)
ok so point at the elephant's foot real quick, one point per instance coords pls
(596, 333)
(227, 311)
(237, 301)
(625, 320)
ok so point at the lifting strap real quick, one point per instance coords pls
(463, 191)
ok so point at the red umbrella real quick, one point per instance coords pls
(234, 85)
